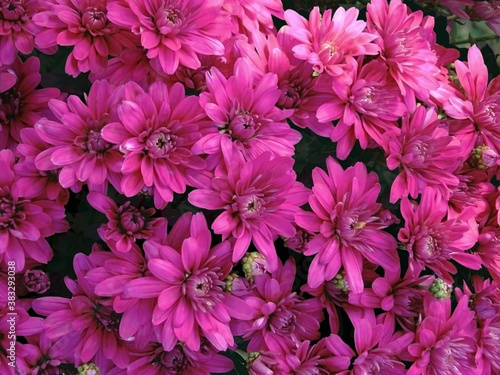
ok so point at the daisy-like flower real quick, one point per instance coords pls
(348, 222)
(156, 131)
(330, 42)
(426, 154)
(77, 145)
(259, 199)
(404, 46)
(126, 223)
(187, 280)
(174, 32)
(21, 103)
(245, 113)
(433, 241)
(84, 25)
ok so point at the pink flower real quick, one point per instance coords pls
(404, 46)
(36, 281)
(425, 154)
(432, 241)
(488, 11)
(259, 199)
(366, 108)
(77, 145)
(21, 104)
(245, 112)
(187, 279)
(84, 25)
(156, 132)
(330, 43)
(489, 249)
(252, 18)
(349, 224)
(174, 32)
(280, 318)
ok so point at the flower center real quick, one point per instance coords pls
(7, 212)
(10, 105)
(12, 10)
(427, 247)
(160, 143)
(107, 317)
(203, 288)
(242, 126)
(175, 362)
(250, 206)
(283, 321)
(94, 18)
(169, 20)
(95, 144)
(131, 220)
(289, 96)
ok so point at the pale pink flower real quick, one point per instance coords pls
(432, 240)
(348, 222)
(330, 42)
(259, 199)
(425, 153)
(174, 32)
(21, 103)
(155, 132)
(77, 144)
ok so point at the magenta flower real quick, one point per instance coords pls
(21, 103)
(174, 32)
(36, 281)
(245, 113)
(348, 223)
(488, 11)
(253, 18)
(489, 249)
(83, 25)
(259, 199)
(77, 145)
(432, 241)
(425, 154)
(330, 42)
(156, 132)
(126, 223)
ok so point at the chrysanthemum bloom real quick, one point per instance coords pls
(404, 46)
(444, 343)
(280, 317)
(25, 223)
(479, 107)
(21, 104)
(348, 222)
(425, 154)
(17, 30)
(245, 112)
(432, 241)
(330, 42)
(77, 144)
(83, 25)
(259, 199)
(174, 32)
(252, 18)
(489, 249)
(155, 132)
(366, 109)
(88, 322)
(126, 222)
(187, 280)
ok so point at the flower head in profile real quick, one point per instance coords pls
(348, 222)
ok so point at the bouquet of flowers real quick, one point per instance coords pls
(249, 187)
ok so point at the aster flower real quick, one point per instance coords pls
(77, 144)
(280, 318)
(259, 199)
(174, 32)
(21, 103)
(404, 46)
(432, 241)
(245, 113)
(348, 223)
(84, 25)
(425, 153)
(330, 42)
(156, 132)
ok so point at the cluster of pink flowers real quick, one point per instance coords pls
(220, 239)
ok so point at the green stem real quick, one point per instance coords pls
(478, 39)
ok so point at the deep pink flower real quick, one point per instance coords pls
(174, 32)
(259, 199)
(187, 279)
(489, 249)
(432, 240)
(251, 18)
(36, 281)
(21, 104)
(156, 131)
(77, 144)
(425, 154)
(280, 318)
(330, 42)
(245, 112)
(404, 46)
(348, 222)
